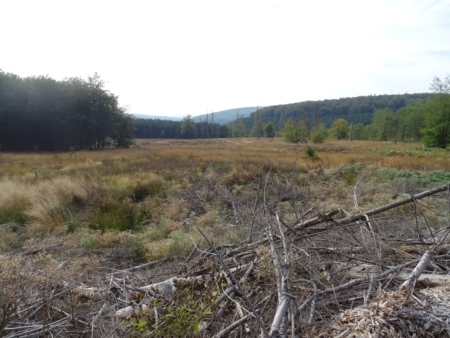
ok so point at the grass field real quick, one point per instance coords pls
(160, 188)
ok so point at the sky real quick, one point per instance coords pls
(180, 57)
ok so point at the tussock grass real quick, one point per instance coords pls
(160, 189)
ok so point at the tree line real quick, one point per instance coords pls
(398, 118)
(40, 113)
(356, 110)
(426, 120)
(185, 129)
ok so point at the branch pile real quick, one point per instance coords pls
(320, 274)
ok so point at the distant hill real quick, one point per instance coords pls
(155, 117)
(225, 116)
(355, 109)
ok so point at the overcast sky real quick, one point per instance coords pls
(184, 57)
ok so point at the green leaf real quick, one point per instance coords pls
(196, 327)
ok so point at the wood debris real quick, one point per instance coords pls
(324, 276)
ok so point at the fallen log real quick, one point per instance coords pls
(428, 280)
(316, 220)
(362, 215)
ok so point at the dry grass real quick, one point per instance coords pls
(160, 187)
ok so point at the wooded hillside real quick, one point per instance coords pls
(355, 110)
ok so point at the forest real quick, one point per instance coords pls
(40, 113)
(187, 129)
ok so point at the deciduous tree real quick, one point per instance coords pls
(436, 132)
(340, 129)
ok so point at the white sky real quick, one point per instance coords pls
(176, 58)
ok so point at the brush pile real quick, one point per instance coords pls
(315, 274)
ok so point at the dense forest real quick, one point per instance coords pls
(42, 113)
(187, 129)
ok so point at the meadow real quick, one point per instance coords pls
(103, 211)
(151, 193)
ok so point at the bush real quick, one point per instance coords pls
(319, 134)
(310, 153)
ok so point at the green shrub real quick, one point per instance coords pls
(310, 153)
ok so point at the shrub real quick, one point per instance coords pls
(319, 134)
(310, 153)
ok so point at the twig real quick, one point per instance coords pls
(231, 327)
(236, 282)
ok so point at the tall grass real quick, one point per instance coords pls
(163, 187)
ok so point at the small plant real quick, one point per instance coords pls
(90, 242)
(350, 171)
(180, 244)
(138, 250)
(310, 153)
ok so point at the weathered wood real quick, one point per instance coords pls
(411, 279)
(363, 215)
(228, 329)
(428, 280)
(355, 282)
(238, 286)
(279, 314)
(229, 290)
(316, 220)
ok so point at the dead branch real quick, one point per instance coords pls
(316, 220)
(362, 216)
(231, 327)
(424, 261)
(238, 286)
